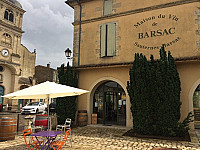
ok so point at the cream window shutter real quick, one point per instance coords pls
(103, 40)
(111, 39)
(107, 7)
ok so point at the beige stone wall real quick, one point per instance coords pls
(94, 9)
(18, 13)
(141, 27)
(90, 79)
(190, 79)
(15, 43)
(20, 62)
(138, 33)
(27, 62)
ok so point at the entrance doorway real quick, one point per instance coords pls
(196, 107)
(109, 103)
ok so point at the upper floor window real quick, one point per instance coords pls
(6, 39)
(108, 39)
(1, 68)
(107, 7)
(8, 15)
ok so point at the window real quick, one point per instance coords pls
(8, 15)
(1, 94)
(107, 10)
(6, 39)
(1, 68)
(11, 17)
(108, 39)
(196, 97)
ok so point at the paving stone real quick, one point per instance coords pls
(91, 138)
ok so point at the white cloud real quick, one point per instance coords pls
(48, 29)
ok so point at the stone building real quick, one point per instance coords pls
(17, 63)
(107, 34)
(43, 74)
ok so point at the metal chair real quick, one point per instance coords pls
(59, 144)
(67, 125)
(63, 128)
(31, 143)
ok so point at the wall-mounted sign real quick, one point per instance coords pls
(153, 31)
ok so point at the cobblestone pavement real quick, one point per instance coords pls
(105, 138)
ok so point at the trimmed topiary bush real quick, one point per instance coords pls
(154, 89)
(66, 106)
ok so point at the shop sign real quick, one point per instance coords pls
(157, 32)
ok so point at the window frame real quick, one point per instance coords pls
(6, 39)
(2, 68)
(107, 40)
(9, 15)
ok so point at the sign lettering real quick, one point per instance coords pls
(157, 31)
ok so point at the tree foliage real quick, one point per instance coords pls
(66, 106)
(154, 89)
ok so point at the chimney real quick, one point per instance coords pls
(48, 65)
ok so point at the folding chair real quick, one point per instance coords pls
(59, 144)
(31, 143)
(63, 128)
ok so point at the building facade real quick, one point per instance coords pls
(45, 73)
(107, 34)
(17, 63)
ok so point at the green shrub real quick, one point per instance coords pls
(66, 106)
(154, 89)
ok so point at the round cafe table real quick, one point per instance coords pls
(50, 137)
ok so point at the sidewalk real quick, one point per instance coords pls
(105, 138)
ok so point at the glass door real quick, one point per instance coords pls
(109, 104)
(110, 108)
(196, 107)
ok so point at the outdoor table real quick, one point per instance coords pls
(50, 136)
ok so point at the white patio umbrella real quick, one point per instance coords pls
(46, 90)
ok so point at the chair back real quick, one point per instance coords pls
(68, 121)
(25, 133)
(66, 136)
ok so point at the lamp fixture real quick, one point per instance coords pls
(68, 53)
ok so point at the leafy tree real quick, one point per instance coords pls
(66, 106)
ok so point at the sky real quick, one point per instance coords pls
(48, 29)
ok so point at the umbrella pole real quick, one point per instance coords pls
(48, 113)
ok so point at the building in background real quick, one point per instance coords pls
(17, 63)
(43, 74)
(107, 34)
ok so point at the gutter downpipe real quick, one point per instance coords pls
(79, 41)
(79, 47)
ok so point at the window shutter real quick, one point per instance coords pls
(111, 39)
(107, 7)
(103, 40)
